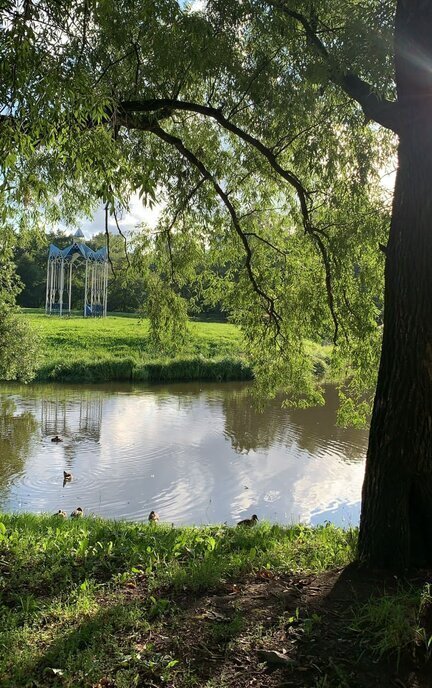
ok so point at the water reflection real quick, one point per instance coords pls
(193, 452)
(312, 430)
(81, 417)
(16, 434)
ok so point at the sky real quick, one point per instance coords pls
(138, 213)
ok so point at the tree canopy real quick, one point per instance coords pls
(250, 123)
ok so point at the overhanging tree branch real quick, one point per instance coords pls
(206, 174)
(383, 111)
(168, 105)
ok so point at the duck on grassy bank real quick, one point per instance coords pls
(153, 517)
(61, 514)
(248, 522)
(77, 513)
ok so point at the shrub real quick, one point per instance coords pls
(19, 348)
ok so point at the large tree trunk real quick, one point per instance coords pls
(396, 520)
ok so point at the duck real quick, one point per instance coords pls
(153, 517)
(56, 439)
(248, 521)
(67, 477)
(61, 514)
(77, 513)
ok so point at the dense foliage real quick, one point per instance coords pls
(233, 118)
(19, 344)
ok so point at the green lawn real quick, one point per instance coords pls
(117, 348)
(80, 349)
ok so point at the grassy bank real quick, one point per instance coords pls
(114, 605)
(117, 348)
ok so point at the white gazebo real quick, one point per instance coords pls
(60, 273)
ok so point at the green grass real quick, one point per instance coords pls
(111, 604)
(82, 600)
(391, 623)
(117, 348)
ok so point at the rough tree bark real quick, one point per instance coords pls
(396, 519)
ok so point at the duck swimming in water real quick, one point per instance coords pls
(77, 513)
(61, 513)
(56, 439)
(153, 517)
(248, 521)
(67, 477)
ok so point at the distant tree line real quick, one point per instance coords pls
(127, 283)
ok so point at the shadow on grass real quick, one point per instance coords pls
(136, 604)
(81, 653)
(134, 642)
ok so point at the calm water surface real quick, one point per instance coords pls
(196, 453)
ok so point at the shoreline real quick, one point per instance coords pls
(93, 603)
(152, 372)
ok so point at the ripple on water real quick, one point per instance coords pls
(186, 451)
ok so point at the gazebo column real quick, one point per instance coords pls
(61, 287)
(52, 266)
(85, 288)
(47, 286)
(70, 287)
(92, 279)
(105, 291)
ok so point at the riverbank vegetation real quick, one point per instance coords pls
(119, 348)
(19, 345)
(114, 604)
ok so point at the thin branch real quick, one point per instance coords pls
(265, 241)
(108, 239)
(185, 203)
(177, 213)
(328, 279)
(235, 109)
(112, 64)
(138, 66)
(84, 33)
(171, 259)
(286, 141)
(122, 235)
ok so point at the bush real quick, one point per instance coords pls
(19, 348)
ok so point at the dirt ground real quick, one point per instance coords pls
(271, 631)
(275, 632)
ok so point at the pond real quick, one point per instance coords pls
(195, 453)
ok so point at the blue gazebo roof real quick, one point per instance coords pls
(78, 249)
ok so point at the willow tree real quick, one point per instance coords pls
(263, 126)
